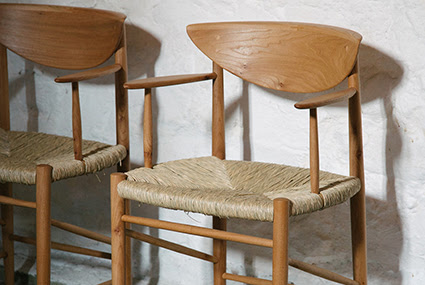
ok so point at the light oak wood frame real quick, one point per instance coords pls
(33, 44)
(279, 243)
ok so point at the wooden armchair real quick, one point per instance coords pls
(294, 57)
(71, 39)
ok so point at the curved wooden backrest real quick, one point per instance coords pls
(291, 57)
(58, 36)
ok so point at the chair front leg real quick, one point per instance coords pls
(7, 232)
(118, 237)
(219, 251)
(280, 241)
(43, 220)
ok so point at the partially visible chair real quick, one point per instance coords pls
(293, 57)
(71, 39)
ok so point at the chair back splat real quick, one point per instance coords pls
(61, 37)
(280, 56)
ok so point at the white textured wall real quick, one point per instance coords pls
(261, 125)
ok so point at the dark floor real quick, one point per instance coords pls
(22, 278)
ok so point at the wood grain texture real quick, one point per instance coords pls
(4, 90)
(43, 218)
(200, 231)
(123, 133)
(321, 272)
(118, 237)
(168, 80)
(280, 241)
(358, 201)
(170, 246)
(81, 231)
(147, 129)
(246, 279)
(219, 252)
(314, 152)
(326, 99)
(89, 74)
(218, 128)
(58, 36)
(66, 247)
(16, 202)
(121, 102)
(76, 123)
(263, 52)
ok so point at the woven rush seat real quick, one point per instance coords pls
(26, 150)
(203, 184)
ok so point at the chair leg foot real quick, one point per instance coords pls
(7, 231)
(43, 218)
(280, 241)
(118, 238)
(219, 251)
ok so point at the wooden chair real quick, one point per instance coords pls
(282, 56)
(71, 39)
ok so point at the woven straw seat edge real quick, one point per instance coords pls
(29, 149)
(220, 195)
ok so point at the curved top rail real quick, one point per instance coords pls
(59, 36)
(293, 57)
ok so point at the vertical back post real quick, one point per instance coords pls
(123, 134)
(121, 102)
(4, 90)
(357, 202)
(147, 128)
(218, 150)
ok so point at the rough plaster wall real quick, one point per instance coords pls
(261, 125)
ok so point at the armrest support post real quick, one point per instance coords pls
(218, 128)
(76, 122)
(314, 152)
(147, 128)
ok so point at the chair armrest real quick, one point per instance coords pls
(326, 99)
(168, 80)
(88, 74)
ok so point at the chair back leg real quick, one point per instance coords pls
(7, 232)
(357, 203)
(43, 220)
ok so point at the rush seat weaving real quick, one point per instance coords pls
(27, 150)
(234, 189)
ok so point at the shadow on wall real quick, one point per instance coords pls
(321, 238)
(142, 52)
